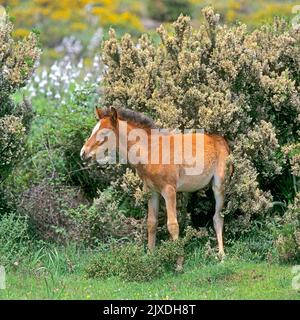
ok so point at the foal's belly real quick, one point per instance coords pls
(191, 183)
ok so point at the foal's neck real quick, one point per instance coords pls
(124, 144)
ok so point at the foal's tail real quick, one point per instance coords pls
(231, 166)
(231, 172)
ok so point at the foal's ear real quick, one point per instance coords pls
(113, 115)
(99, 113)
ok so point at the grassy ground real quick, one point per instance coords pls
(230, 280)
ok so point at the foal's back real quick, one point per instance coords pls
(207, 160)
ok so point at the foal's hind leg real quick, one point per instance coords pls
(153, 206)
(218, 189)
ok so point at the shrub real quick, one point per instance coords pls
(128, 262)
(131, 263)
(11, 141)
(288, 241)
(14, 238)
(103, 221)
(240, 84)
(133, 198)
(17, 61)
(45, 205)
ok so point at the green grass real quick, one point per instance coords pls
(229, 280)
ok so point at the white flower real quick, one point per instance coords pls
(68, 66)
(44, 74)
(43, 83)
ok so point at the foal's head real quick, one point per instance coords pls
(107, 129)
(106, 126)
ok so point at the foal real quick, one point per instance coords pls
(160, 177)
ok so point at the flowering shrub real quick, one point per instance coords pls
(12, 134)
(227, 80)
(17, 61)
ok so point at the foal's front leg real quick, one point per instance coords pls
(169, 194)
(153, 206)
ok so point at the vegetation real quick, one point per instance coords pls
(82, 19)
(167, 10)
(53, 17)
(17, 62)
(243, 85)
(54, 272)
(233, 280)
(64, 225)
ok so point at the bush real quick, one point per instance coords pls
(288, 241)
(45, 205)
(14, 238)
(17, 60)
(103, 221)
(240, 84)
(12, 135)
(128, 262)
(131, 263)
(133, 198)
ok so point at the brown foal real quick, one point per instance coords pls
(159, 177)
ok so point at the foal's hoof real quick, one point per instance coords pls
(179, 268)
(179, 265)
(221, 257)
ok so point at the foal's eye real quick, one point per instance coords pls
(101, 137)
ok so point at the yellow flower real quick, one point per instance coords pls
(78, 26)
(21, 33)
(61, 14)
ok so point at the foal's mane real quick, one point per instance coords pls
(134, 117)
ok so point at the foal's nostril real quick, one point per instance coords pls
(82, 154)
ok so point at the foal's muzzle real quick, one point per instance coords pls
(83, 155)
